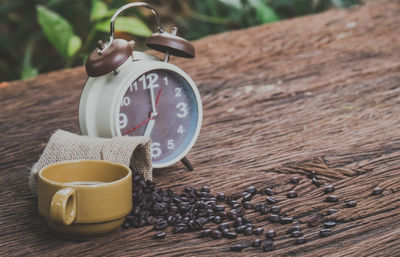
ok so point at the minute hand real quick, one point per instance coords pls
(153, 101)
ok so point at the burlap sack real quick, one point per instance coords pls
(133, 152)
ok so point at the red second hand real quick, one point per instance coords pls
(144, 122)
(158, 97)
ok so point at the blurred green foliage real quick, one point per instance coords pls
(40, 36)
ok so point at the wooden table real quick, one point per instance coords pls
(319, 93)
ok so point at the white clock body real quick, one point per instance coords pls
(101, 98)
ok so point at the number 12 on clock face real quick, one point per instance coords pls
(166, 106)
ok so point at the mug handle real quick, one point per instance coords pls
(63, 206)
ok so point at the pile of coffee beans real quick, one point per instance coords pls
(191, 209)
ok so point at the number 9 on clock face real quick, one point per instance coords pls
(176, 126)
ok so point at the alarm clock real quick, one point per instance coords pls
(133, 93)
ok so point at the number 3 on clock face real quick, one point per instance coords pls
(179, 111)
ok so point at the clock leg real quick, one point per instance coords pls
(187, 164)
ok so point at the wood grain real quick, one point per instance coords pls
(319, 93)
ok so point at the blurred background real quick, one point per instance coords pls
(38, 36)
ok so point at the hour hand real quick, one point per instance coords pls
(149, 128)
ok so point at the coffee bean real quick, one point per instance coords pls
(236, 205)
(126, 224)
(212, 204)
(331, 211)
(258, 206)
(220, 196)
(161, 225)
(180, 223)
(166, 199)
(329, 189)
(271, 200)
(247, 205)
(205, 189)
(312, 174)
(329, 224)
(220, 214)
(237, 247)
(203, 220)
(238, 222)
(316, 182)
(217, 219)
(249, 225)
(247, 197)
(195, 225)
(142, 183)
(286, 220)
(350, 204)
(325, 232)
(231, 235)
(246, 220)
(267, 191)
(219, 208)
(224, 231)
(223, 226)
(251, 189)
(136, 210)
(159, 235)
(292, 229)
(274, 218)
(264, 210)
(268, 246)
(232, 214)
(176, 200)
(377, 191)
(177, 230)
(188, 190)
(300, 240)
(275, 209)
(294, 180)
(169, 192)
(291, 194)
(233, 202)
(258, 231)
(270, 234)
(313, 221)
(296, 234)
(332, 198)
(216, 234)
(256, 243)
(205, 233)
(248, 231)
(184, 207)
(240, 229)
(173, 208)
(171, 220)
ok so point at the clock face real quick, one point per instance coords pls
(174, 126)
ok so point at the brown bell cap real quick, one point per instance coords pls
(115, 55)
(175, 45)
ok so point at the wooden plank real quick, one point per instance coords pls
(319, 93)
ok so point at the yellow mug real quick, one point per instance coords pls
(84, 199)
